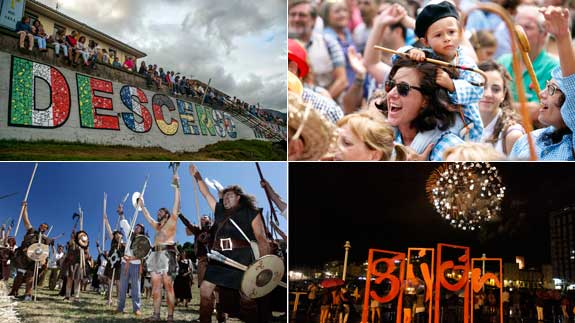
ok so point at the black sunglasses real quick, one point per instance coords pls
(402, 88)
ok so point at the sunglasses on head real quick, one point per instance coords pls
(402, 88)
(551, 88)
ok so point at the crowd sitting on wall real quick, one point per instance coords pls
(75, 51)
(403, 101)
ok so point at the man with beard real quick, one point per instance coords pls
(326, 56)
(235, 211)
(25, 266)
(162, 263)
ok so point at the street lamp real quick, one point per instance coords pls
(347, 246)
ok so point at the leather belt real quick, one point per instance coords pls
(163, 247)
(230, 244)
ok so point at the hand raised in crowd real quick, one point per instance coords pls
(391, 15)
(442, 79)
(194, 171)
(141, 202)
(556, 20)
(416, 54)
(356, 61)
(412, 155)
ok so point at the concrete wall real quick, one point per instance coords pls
(43, 102)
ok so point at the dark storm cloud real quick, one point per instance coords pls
(239, 44)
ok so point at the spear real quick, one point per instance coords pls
(104, 222)
(25, 199)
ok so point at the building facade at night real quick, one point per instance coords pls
(563, 244)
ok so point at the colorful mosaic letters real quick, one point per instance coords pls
(159, 101)
(186, 110)
(88, 102)
(132, 97)
(23, 110)
(206, 123)
(32, 81)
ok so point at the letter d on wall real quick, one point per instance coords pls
(23, 110)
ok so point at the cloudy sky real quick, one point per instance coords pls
(240, 44)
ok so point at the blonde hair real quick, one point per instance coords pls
(473, 151)
(372, 128)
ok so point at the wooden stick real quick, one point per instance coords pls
(525, 49)
(197, 204)
(25, 199)
(439, 62)
(104, 222)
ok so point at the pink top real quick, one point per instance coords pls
(129, 64)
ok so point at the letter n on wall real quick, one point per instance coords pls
(23, 110)
(88, 102)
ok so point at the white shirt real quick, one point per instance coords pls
(128, 252)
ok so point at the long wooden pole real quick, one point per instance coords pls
(104, 222)
(437, 62)
(25, 199)
(197, 203)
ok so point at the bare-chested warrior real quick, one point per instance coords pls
(162, 261)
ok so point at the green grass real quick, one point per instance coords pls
(237, 150)
(51, 308)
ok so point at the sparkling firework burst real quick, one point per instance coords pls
(466, 194)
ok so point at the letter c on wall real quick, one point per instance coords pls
(159, 101)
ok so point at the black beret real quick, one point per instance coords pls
(432, 13)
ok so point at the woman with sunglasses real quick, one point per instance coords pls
(557, 107)
(419, 109)
(501, 122)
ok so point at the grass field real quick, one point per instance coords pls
(92, 308)
(237, 150)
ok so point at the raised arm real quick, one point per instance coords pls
(146, 214)
(108, 227)
(177, 206)
(203, 187)
(557, 23)
(27, 223)
(260, 233)
(372, 56)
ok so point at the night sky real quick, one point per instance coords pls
(385, 206)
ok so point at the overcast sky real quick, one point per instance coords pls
(240, 44)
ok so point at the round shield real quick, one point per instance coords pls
(262, 276)
(135, 198)
(141, 246)
(82, 239)
(38, 252)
